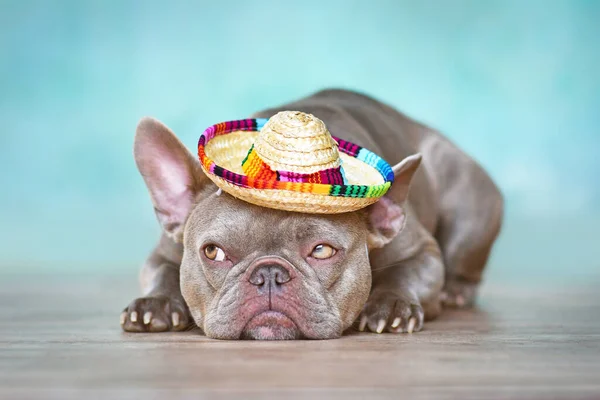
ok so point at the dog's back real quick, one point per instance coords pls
(452, 197)
(384, 130)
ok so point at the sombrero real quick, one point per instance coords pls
(291, 162)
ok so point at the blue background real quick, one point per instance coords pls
(515, 83)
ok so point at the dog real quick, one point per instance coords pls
(240, 271)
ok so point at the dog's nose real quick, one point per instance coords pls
(273, 275)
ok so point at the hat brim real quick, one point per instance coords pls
(223, 147)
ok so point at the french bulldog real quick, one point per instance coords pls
(240, 271)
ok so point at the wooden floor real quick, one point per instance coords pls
(60, 338)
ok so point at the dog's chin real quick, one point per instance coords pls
(271, 325)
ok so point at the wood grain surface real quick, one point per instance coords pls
(60, 339)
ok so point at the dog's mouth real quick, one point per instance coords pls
(271, 325)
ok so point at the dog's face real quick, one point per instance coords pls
(258, 273)
(252, 272)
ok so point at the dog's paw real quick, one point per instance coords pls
(392, 313)
(155, 314)
(458, 293)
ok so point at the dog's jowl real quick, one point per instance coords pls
(286, 227)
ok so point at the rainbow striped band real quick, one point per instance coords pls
(270, 181)
(254, 167)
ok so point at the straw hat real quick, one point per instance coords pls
(291, 162)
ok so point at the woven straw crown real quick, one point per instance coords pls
(297, 142)
(294, 147)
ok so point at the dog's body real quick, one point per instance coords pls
(427, 246)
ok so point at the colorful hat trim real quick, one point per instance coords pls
(330, 182)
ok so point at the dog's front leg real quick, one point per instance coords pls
(405, 293)
(162, 307)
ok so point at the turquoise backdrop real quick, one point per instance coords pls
(515, 83)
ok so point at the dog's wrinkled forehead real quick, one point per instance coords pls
(242, 227)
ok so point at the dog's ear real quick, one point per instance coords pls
(387, 217)
(173, 176)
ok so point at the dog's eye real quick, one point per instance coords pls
(214, 253)
(323, 252)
